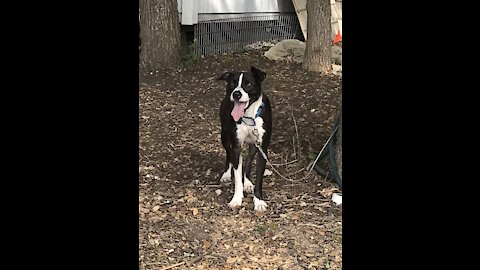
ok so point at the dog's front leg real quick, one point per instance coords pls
(247, 168)
(258, 202)
(237, 175)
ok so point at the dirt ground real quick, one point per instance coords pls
(185, 222)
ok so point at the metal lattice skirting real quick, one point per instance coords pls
(227, 35)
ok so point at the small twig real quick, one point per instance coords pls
(315, 198)
(296, 132)
(196, 260)
(173, 266)
(152, 263)
(286, 163)
(311, 225)
(277, 142)
(293, 142)
(294, 173)
(209, 186)
(167, 202)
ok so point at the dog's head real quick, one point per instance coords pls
(243, 88)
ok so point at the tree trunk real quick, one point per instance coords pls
(318, 55)
(160, 34)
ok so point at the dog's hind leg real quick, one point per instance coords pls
(247, 168)
(227, 174)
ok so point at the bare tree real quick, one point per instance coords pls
(159, 34)
(318, 55)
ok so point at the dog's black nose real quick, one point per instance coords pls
(237, 95)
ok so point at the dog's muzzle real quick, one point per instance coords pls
(236, 95)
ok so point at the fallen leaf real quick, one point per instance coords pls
(206, 244)
(194, 211)
(259, 213)
(277, 236)
(231, 260)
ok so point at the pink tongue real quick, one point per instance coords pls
(238, 110)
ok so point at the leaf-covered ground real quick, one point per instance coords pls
(185, 222)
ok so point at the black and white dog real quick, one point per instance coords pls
(246, 117)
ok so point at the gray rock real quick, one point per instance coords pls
(337, 55)
(288, 50)
(337, 69)
(294, 49)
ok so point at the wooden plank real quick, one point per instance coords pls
(338, 8)
(301, 10)
(334, 19)
(187, 12)
(243, 6)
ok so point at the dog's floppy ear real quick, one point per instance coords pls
(225, 76)
(258, 73)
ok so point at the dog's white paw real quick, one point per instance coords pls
(226, 176)
(259, 205)
(248, 186)
(236, 201)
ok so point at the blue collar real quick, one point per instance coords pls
(249, 121)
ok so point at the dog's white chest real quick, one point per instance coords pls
(251, 134)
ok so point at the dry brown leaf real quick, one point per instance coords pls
(231, 260)
(259, 213)
(194, 211)
(206, 244)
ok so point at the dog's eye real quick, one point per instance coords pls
(249, 84)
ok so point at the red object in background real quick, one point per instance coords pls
(337, 38)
